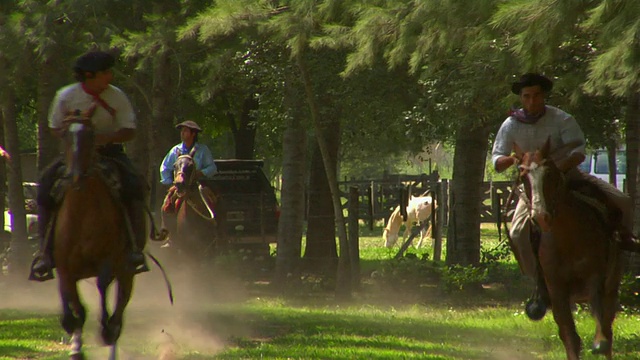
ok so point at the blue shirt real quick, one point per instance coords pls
(202, 158)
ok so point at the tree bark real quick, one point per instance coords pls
(164, 135)
(632, 122)
(48, 83)
(343, 280)
(463, 239)
(20, 251)
(291, 224)
(245, 133)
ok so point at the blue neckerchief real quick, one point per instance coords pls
(522, 115)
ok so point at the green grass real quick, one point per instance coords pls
(230, 320)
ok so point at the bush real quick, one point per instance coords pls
(630, 290)
(458, 277)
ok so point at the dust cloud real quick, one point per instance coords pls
(152, 325)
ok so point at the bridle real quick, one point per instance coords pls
(551, 202)
(178, 171)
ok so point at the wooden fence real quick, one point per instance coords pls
(377, 198)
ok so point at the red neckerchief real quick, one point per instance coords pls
(99, 100)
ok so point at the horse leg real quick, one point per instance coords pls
(105, 277)
(604, 302)
(73, 313)
(564, 319)
(604, 333)
(422, 234)
(111, 332)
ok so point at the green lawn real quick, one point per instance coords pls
(228, 318)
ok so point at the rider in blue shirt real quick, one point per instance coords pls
(205, 165)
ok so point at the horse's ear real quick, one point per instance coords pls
(518, 152)
(178, 152)
(544, 152)
(192, 152)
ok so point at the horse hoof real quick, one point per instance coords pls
(110, 334)
(602, 347)
(535, 309)
(77, 356)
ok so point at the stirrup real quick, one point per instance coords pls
(629, 242)
(40, 275)
(138, 262)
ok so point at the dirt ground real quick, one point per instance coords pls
(150, 319)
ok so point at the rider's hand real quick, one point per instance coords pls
(5, 154)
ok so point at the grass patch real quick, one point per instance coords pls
(401, 315)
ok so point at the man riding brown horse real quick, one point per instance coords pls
(109, 110)
(528, 128)
(201, 156)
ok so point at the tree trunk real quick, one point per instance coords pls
(20, 252)
(463, 239)
(245, 133)
(164, 135)
(632, 123)
(291, 224)
(320, 251)
(343, 280)
(139, 150)
(48, 83)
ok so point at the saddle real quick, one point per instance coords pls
(106, 168)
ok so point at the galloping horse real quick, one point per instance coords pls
(576, 249)
(195, 226)
(90, 234)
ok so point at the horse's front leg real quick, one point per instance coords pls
(105, 277)
(561, 308)
(73, 313)
(111, 332)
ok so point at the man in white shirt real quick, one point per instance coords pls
(529, 128)
(114, 123)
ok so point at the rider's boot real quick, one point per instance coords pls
(42, 266)
(628, 242)
(537, 305)
(135, 210)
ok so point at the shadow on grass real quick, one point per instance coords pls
(339, 336)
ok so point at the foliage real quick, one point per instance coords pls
(459, 277)
(630, 290)
(408, 272)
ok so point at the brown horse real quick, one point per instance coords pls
(90, 233)
(578, 257)
(194, 225)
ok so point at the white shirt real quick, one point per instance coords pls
(73, 97)
(555, 124)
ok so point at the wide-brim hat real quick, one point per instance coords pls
(94, 61)
(189, 124)
(532, 79)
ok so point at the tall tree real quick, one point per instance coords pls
(609, 29)
(464, 69)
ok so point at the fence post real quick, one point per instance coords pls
(437, 224)
(354, 237)
(372, 208)
(444, 202)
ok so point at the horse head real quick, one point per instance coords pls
(184, 171)
(79, 147)
(542, 181)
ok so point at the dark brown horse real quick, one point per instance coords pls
(194, 227)
(90, 237)
(577, 254)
